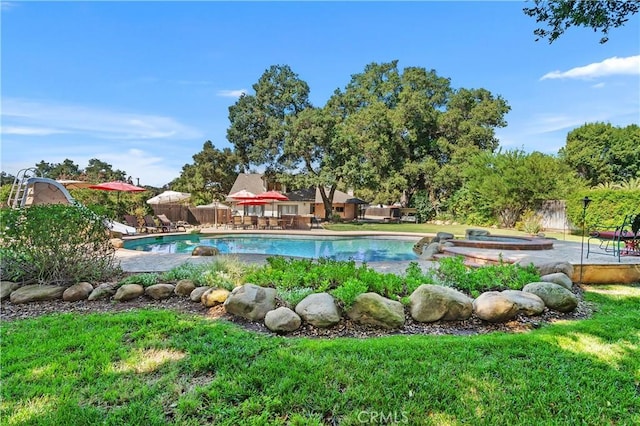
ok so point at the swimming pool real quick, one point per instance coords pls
(358, 248)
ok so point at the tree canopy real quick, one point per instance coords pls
(211, 175)
(387, 134)
(601, 153)
(560, 15)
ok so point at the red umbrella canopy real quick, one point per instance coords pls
(272, 195)
(117, 186)
(255, 202)
(243, 195)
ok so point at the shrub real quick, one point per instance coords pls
(55, 244)
(294, 296)
(530, 222)
(349, 290)
(453, 272)
(144, 280)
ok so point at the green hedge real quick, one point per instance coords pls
(607, 208)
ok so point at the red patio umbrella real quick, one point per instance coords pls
(242, 195)
(255, 202)
(117, 186)
(273, 196)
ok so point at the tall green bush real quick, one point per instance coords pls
(55, 244)
(608, 207)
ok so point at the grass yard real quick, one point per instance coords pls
(159, 367)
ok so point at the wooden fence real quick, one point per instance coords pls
(193, 215)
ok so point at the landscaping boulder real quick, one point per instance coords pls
(431, 250)
(159, 291)
(6, 287)
(442, 236)
(184, 288)
(319, 309)
(545, 267)
(205, 251)
(496, 306)
(128, 292)
(554, 296)
(373, 309)
(117, 242)
(103, 291)
(431, 303)
(558, 278)
(76, 292)
(196, 293)
(419, 246)
(214, 296)
(251, 301)
(282, 320)
(36, 293)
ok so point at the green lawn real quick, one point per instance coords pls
(430, 228)
(160, 367)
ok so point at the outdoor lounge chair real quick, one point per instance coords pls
(150, 224)
(168, 226)
(133, 222)
(618, 241)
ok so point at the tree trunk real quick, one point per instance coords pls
(327, 200)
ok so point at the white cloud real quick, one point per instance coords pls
(598, 86)
(29, 131)
(611, 66)
(90, 121)
(232, 93)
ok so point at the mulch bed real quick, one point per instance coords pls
(346, 327)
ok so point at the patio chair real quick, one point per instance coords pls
(274, 223)
(237, 222)
(168, 226)
(133, 222)
(620, 240)
(150, 224)
(247, 222)
(263, 222)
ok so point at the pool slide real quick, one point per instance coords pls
(48, 191)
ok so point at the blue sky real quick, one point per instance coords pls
(142, 85)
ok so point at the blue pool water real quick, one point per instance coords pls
(362, 249)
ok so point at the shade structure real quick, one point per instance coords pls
(272, 195)
(254, 202)
(117, 186)
(242, 195)
(168, 197)
(74, 184)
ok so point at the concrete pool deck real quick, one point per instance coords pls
(600, 267)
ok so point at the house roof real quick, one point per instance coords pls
(251, 182)
(313, 195)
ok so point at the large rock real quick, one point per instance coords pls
(214, 296)
(431, 250)
(103, 291)
(36, 293)
(558, 278)
(373, 309)
(419, 246)
(555, 296)
(6, 287)
(319, 309)
(196, 293)
(282, 320)
(128, 292)
(431, 303)
(442, 236)
(76, 292)
(184, 288)
(545, 267)
(495, 306)
(251, 301)
(159, 291)
(205, 251)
